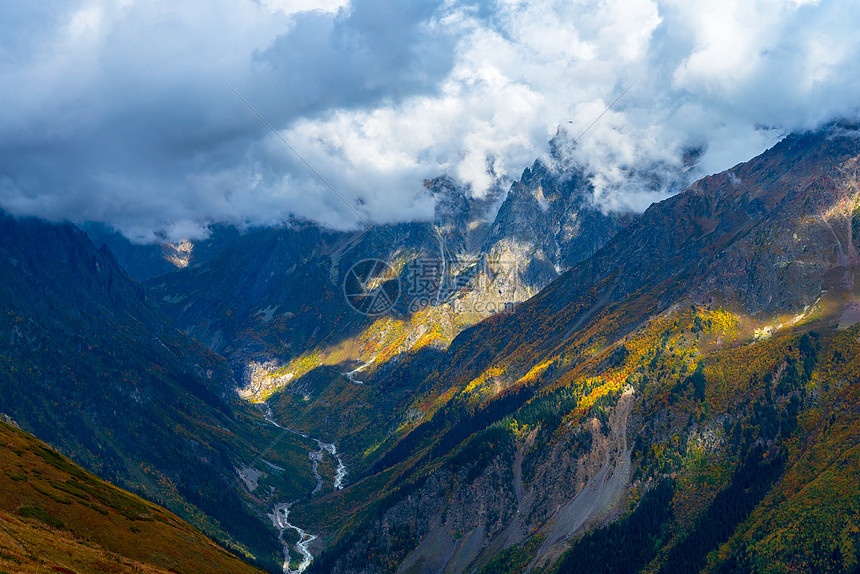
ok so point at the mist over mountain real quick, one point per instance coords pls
(118, 112)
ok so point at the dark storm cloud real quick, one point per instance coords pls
(117, 111)
(379, 50)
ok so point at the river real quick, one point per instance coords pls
(281, 512)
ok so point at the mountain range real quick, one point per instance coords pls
(523, 384)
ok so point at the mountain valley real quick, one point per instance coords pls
(520, 385)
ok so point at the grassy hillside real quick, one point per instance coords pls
(56, 517)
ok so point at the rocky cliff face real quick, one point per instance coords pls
(701, 346)
(721, 240)
(274, 301)
(548, 223)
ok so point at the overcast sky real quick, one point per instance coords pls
(119, 110)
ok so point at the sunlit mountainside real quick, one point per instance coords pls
(495, 392)
(692, 384)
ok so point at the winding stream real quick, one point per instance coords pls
(281, 512)
(340, 471)
(280, 518)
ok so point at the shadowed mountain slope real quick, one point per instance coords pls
(91, 367)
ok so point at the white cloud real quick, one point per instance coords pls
(295, 6)
(117, 110)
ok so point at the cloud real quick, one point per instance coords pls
(117, 111)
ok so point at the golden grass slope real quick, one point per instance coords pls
(56, 517)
